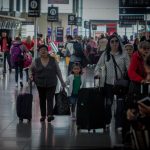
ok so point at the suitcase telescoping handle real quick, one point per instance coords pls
(142, 88)
(30, 86)
(95, 78)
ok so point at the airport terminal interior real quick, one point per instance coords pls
(94, 44)
(59, 134)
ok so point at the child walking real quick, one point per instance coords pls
(75, 80)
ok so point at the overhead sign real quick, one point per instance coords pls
(132, 10)
(59, 34)
(68, 30)
(86, 24)
(49, 32)
(134, 6)
(122, 25)
(34, 8)
(52, 14)
(94, 27)
(131, 17)
(58, 1)
(126, 23)
(8, 24)
(75, 31)
(79, 21)
(134, 3)
(71, 19)
(27, 23)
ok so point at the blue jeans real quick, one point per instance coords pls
(18, 70)
(7, 57)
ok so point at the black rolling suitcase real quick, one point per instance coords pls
(90, 108)
(24, 105)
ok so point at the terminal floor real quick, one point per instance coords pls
(58, 135)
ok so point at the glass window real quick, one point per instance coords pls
(24, 5)
(17, 5)
(11, 5)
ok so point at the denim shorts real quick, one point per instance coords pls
(73, 99)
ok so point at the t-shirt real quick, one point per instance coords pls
(76, 84)
(29, 46)
(4, 48)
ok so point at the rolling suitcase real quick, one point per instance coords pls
(24, 105)
(140, 127)
(90, 108)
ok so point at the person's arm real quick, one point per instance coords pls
(99, 65)
(59, 74)
(132, 70)
(67, 82)
(32, 71)
(131, 114)
(144, 109)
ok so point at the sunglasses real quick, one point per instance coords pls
(114, 41)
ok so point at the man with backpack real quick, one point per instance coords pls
(75, 49)
(17, 59)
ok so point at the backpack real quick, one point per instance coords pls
(78, 50)
(16, 54)
(27, 60)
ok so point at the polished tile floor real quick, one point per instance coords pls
(59, 134)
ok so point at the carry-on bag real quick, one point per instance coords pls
(140, 127)
(24, 105)
(90, 108)
(62, 106)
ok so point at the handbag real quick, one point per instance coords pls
(62, 106)
(121, 85)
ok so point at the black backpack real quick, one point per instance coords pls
(78, 50)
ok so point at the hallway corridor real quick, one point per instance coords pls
(58, 135)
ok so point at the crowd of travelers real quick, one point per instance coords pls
(110, 56)
(118, 57)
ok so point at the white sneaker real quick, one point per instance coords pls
(74, 118)
(107, 125)
(27, 84)
(73, 115)
(119, 129)
(16, 85)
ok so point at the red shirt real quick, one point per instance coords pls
(5, 47)
(136, 71)
(29, 46)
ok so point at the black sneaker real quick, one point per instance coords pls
(4, 71)
(10, 70)
(21, 84)
(50, 118)
(42, 119)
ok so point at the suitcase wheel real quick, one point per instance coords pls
(94, 131)
(78, 128)
(89, 130)
(20, 120)
(29, 120)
